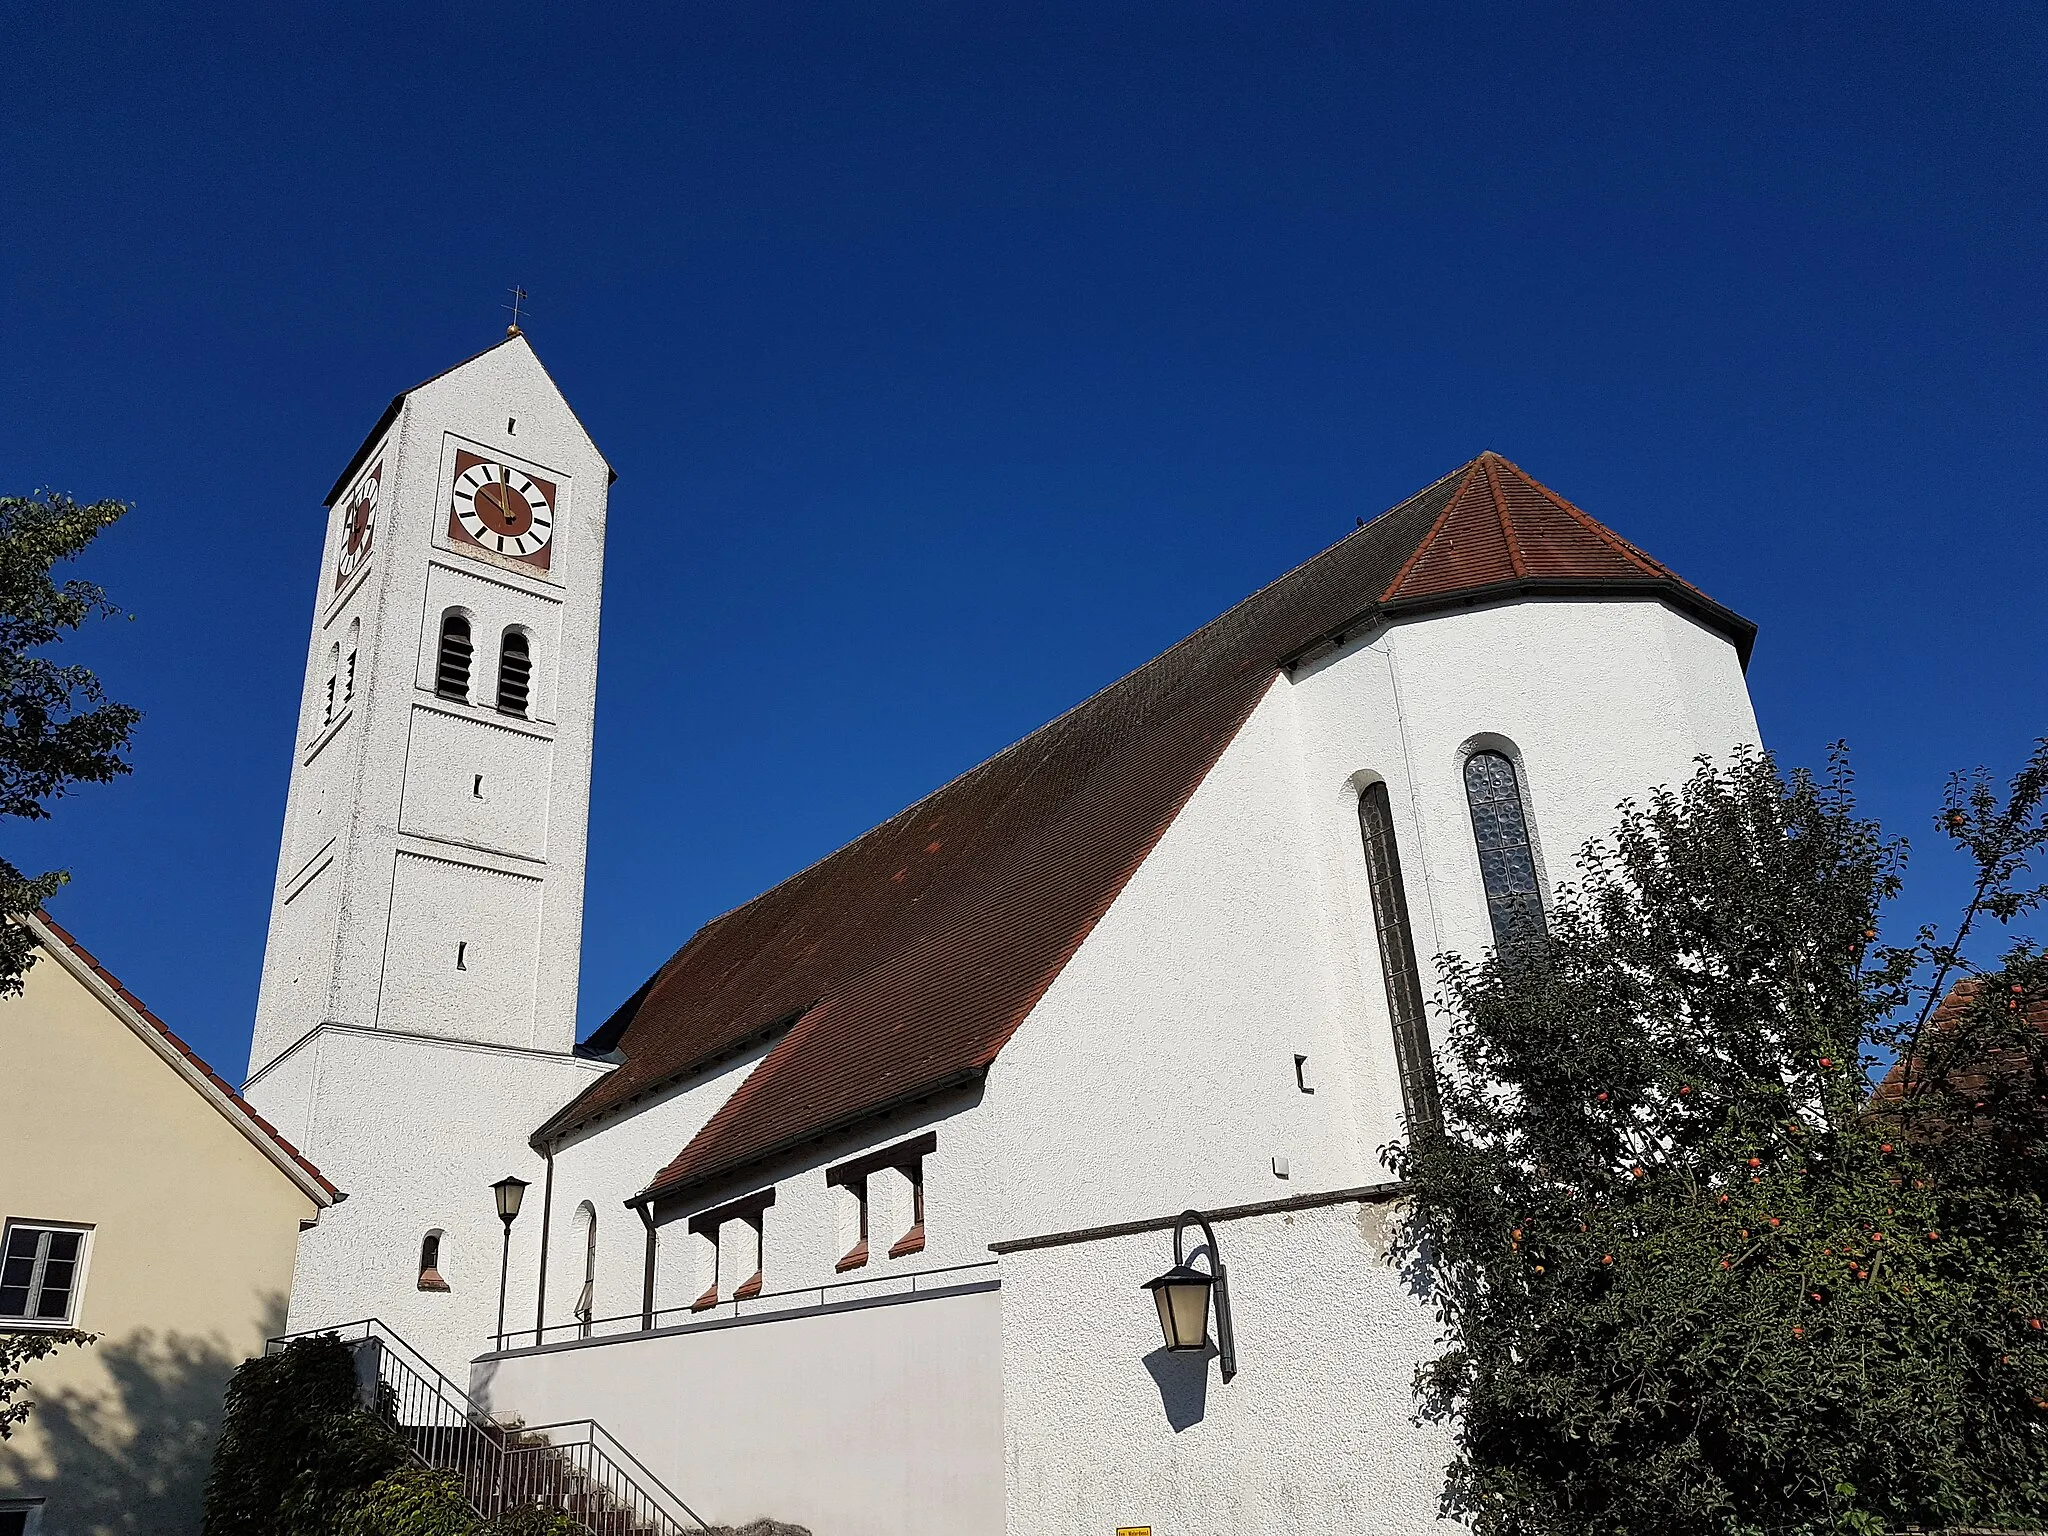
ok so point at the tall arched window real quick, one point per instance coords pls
(348, 667)
(586, 1221)
(1507, 862)
(451, 669)
(515, 672)
(1397, 958)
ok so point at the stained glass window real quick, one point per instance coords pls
(1507, 863)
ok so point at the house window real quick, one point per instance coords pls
(750, 1209)
(430, 1263)
(1412, 1057)
(515, 672)
(906, 1158)
(1507, 862)
(451, 669)
(42, 1269)
(20, 1517)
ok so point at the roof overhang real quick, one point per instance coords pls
(1725, 622)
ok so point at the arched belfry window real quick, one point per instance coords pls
(1397, 958)
(1507, 860)
(515, 672)
(451, 665)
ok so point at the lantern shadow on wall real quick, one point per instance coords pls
(1182, 1377)
(1184, 1296)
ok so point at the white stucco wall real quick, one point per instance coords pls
(1158, 1072)
(416, 1130)
(882, 1420)
(1161, 1061)
(1106, 1428)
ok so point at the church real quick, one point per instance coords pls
(847, 1216)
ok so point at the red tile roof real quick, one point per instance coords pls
(237, 1103)
(908, 958)
(1967, 1075)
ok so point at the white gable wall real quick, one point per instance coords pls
(1158, 1071)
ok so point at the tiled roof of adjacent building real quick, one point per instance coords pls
(2008, 1061)
(191, 1066)
(899, 966)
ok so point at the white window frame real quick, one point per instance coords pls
(78, 1274)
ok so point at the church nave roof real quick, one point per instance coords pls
(900, 965)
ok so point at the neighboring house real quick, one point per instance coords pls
(144, 1202)
(843, 1216)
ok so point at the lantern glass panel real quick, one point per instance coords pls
(1182, 1296)
(509, 1193)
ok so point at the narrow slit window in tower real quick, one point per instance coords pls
(1397, 958)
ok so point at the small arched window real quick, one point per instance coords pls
(430, 1263)
(451, 670)
(515, 672)
(1507, 860)
(586, 1299)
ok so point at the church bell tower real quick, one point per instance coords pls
(418, 1002)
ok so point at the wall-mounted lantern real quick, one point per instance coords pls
(508, 1192)
(1182, 1296)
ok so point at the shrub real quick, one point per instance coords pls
(297, 1448)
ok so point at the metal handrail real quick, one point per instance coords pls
(587, 1327)
(510, 1466)
(594, 1430)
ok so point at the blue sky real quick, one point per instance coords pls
(957, 359)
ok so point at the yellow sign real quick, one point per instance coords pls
(1134, 1530)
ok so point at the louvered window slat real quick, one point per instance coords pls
(451, 675)
(515, 673)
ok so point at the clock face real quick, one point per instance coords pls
(359, 524)
(503, 510)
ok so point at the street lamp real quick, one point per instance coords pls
(510, 1191)
(1182, 1296)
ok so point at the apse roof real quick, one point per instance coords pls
(897, 967)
